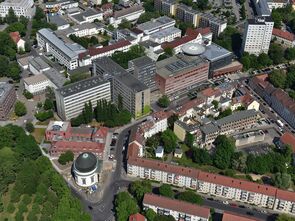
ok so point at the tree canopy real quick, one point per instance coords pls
(169, 140)
(20, 109)
(164, 101)
(125, 206)
(190, 196)
(139, 188)
(166, 190)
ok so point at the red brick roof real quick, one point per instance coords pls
(202, 31)
(283, 34)
(133, 149)
(95, 51)
(15, 36)
(77, 147)
(236, 217)
(288, 138)
(209, 92)
(193, 103)
(136, 217)
(176, 205)
(237, 183)
(286, 195)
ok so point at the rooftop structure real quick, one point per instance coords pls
(156, 24)
(55, 77)
(59, 21)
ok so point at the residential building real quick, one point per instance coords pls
(24, 8)
(135, 95)
(227, 125)
(65, 53)
(168, 7)
(131, 13)
(187, 14)
(285, 38)
(274, 4)
(159, 152)
(87, 16)
(37, 84)
(61, 4)
(276, 98)
(70, 99)
(216, 25)
(20, 43)
(37, 65)
(107, 9)
(7, 99)
(182, 127)
(180, 72)
(257, 35)
(144, 69)
(64, 137)
(227, 216)
(137, 217)
(86, 169)
(180, 210)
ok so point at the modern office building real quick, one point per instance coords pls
(257, 35)
(70, 99)
(180, 210)
(24, 8)
(187, 14)
(65, 53)
(136, 95)
(216, 25)
(7, 99)
(144, 69)
(180, 72)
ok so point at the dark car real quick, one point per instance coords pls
(241, 206)
(90, 207)
(211, 199)
(250, 213)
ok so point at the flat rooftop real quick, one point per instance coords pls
(155, 23)
(142, 61)
(38, 63)
(215, 52)
(4, 90)
(80, 86)
(213, 18)
(55, 77)
(109, 66)
(35, 79)
(177, 64)
(165, 32)
(58, 20)
(131, 82)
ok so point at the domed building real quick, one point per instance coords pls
(86, 169)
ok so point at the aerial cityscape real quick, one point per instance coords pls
(147, 110)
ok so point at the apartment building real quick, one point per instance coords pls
(180, 72)
(264, 196)
(229, 216)
(285, 38)
(227, 125)
(216, 25)
(144, 69)
(180, 210)
(65, 53)
(7, 99)
(257, 35)
(136, 95)
(70, 99)
(168, 7)
(24, 8)
(187, 14)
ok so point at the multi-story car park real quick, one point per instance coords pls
(24, 8)
(264, 196)
(70, 99)
(65, 53)
(7, 99)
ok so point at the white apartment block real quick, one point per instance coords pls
(70, 99)
(285, 38)
(180, 210)
(65, 53)
(257, 35)
(20, 7)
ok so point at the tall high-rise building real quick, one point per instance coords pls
(257, 35)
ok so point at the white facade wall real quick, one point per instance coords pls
(38, 87)
(159, 126)
(167, 38)
(21, 8)
(86, 179)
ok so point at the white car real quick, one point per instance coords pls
(225, 202)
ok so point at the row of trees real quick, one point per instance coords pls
(105, 112)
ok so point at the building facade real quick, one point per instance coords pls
(180, 73)
(187, 14)
(257, 35)
(37, 84)
(285, 38)
(70, 99)
(24, 8)
(7, 99)
(216, 25)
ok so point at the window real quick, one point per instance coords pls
(84, 181)
(92, 179)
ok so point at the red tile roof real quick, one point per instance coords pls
(209, 92)
(202, 31)
(286, 195)
(193, 103)
(176, 205)
(237, 183)
(15, 36)
(77, 147)
(288, 138)
(236, 217)
(107, 6)
(133, 150)
(136, 217)
(95, 51)
(283, 34)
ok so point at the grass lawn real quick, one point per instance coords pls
(38, 134)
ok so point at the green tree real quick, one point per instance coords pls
(166, 190)
(164, 101)
(14, 71)
(264, 60)
(48, 104)
(169, 140)
(201, 156)
(225, 148)
(169, 51)
(125, 24)
(150, 215)
(290, 54)
(20, 109)
(282, 180)
(225, 113)
(139, 188)
(147, 16)
(11, 17)
(239, 161)
(278, 78)
(27, 94)
(277, 18)
(4, 64)
(66, 157)
(243, 12)
(190, 196)
(284, 217)
(189, 139)
(171, 120)
(44, 115)
(125, 205)
(215, 104)
(29, 127)
(276, 53)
